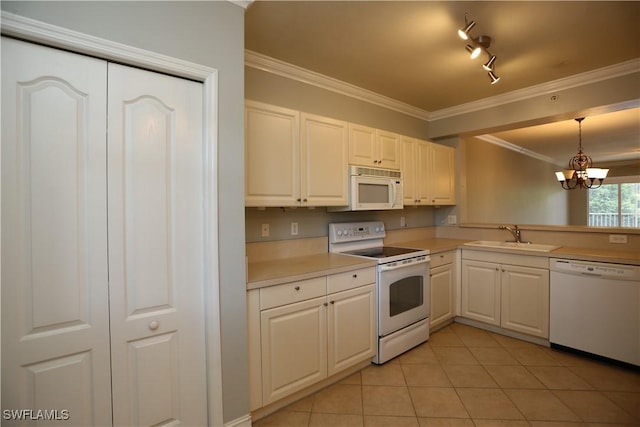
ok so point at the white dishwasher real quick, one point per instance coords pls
(595, 307)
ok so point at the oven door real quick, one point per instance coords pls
(403, 295)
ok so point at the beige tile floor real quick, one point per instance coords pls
(464, 376)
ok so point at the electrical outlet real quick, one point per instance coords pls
(452, 219)
(617, 238)
(294, 228)
(265, 230)
(403, 223)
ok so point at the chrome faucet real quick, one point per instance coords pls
(513, 230)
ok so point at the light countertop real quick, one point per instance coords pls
(283, 270)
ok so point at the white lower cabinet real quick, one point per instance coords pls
(442, 281)
(303, 332)
(506, 290)
(294, 347)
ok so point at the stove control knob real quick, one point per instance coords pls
(339, 232)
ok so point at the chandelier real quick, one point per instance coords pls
(580, 173)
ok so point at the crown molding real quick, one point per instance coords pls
(285, 69)
(51, 35)
(509, 146)
(582, 79)
(293, 72)
(242, 3)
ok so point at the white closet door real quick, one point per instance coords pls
(156, 242)
(55, 325)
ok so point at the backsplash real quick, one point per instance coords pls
(315, 222)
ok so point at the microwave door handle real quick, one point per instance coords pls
(393, 195)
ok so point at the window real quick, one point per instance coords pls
(616, 204)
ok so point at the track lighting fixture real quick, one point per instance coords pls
(476, 46)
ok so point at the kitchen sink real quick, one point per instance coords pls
(535, 247)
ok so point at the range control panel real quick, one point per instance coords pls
(354, 231)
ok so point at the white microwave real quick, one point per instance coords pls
(373, 189)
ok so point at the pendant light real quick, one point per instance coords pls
(580, 173)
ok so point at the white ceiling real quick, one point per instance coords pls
(409, 51)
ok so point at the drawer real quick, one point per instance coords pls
(442, 258)
(350, 279)
(288, 293)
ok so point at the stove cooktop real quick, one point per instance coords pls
(382, 252)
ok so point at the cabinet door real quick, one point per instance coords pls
(409, 171)
(362, 145)
(294, 348)
(156, 259)
(442, 294)
(525, 300)
(272, 174)
(443, 185)
(352, 327)
(423, 176)
(55, 309)
(481, 291)
(389, 150)
(324, 152)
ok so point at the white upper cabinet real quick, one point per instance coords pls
(293, 158)
(428, 172)
(443, 177)
(271, 155)
(374, 147)
(324, 161)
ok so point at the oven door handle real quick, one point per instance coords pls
(389, 267)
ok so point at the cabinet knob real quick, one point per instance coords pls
(355, 275)
(298, 200)
(153, 325)
(333, 302)
(325, 304)
(304, 200)
(297, 288)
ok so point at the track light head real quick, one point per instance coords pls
(474, 51)
(494, 79)
(463, 33)
(489, 64)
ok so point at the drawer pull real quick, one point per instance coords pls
(297, 288)
(153, 325)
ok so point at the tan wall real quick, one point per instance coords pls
(502, 186)
(272, 89)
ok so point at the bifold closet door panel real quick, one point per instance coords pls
(156, 261)
(55, 324)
